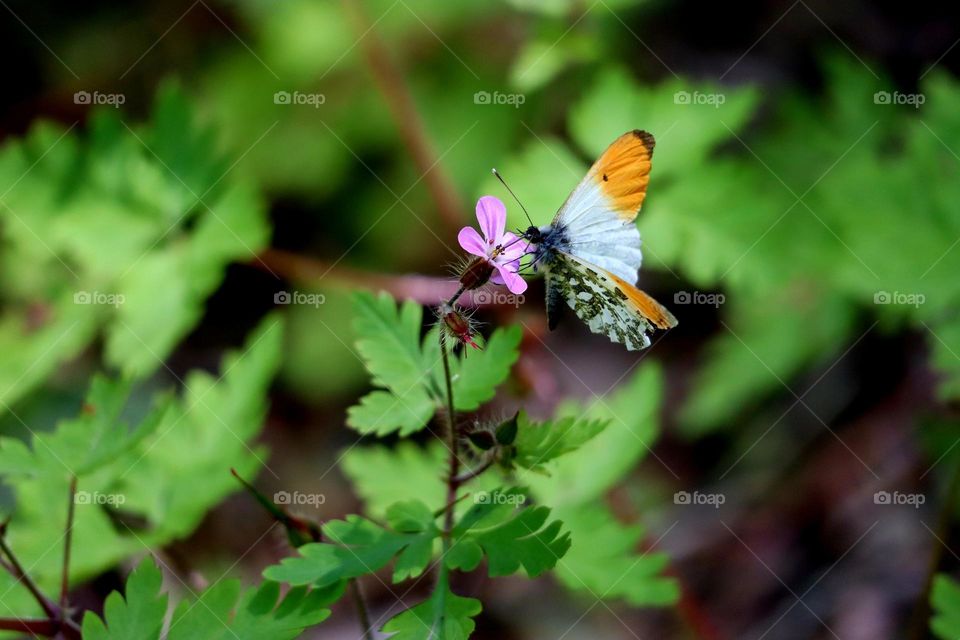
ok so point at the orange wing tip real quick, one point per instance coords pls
(647, 139)
(623, 171)
(645, 305)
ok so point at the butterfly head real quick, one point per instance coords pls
(532, 235)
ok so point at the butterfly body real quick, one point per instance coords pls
(591, 250)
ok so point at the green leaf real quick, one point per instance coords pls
(376, 473)
(84, 445)
(411, 516)
(220, 612)
(359, 546)
(382, 412)
(477, 375)
(138, 614)
(537, 444)
(182, 144)
(511, 537)
(443, 616)
(604, 559)
(632, 414)
(388, 339)
(411, 369)
(603, 556)
(945, 603)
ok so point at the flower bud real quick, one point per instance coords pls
(457, 325)
(482, 439)
(476, 273)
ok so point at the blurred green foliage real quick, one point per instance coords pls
(142, 487)
(122, 229)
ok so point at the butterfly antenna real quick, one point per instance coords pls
(503, 182)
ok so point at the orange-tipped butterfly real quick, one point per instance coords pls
(591, 250)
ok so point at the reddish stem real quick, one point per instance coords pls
(33, 626)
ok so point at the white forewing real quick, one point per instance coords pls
(597, 233)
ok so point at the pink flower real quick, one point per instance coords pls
(502, 250)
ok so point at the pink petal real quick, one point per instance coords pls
(513, 248)
(514, 282)
(492, 215)
(471, 242)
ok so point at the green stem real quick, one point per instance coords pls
(452, 442)
(453, 484)
(361, 605)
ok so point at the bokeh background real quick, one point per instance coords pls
(802, 223)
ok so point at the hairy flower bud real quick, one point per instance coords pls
(457, 325)
(476, 273)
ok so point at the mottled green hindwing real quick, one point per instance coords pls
(597, 300)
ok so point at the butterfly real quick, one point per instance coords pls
(591, 250)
